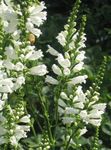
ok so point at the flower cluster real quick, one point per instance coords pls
(14, 125)
(21, 64)
(17, 52)
(76, 108)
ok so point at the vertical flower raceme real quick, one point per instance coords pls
(15, 125)
(36, 18)
(19, 58)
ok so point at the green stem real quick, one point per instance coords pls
(73, 133)
(33, 130)
(46, 116)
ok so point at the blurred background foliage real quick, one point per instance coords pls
(98, 31)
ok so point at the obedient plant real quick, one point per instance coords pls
(65, 108)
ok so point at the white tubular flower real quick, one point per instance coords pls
(4, 96)
(36, 18)
(34, 55)
(63, 95)
(62, 37)
(19, 66)
(2, 103)
(61, 103)
(51, 80)
(19, 82)
(9, 18)
(95, 122)
(32, 29)
(5, 89)
(52, 51)
(80, 57)
(66, 71)
(80, 96)
(10, 52)
(65, 63)
(20, 131)
(6, 85)
(71, 110)
(39, 70)
(100, 107)
(78, 80)
(78, 67)
(8, 64)
(95, 114)
(83, 131)
(66, 54)
(56, 70)
(25, 119)
(84, 116)
(16, 35)
(68, 120)
(36, 14)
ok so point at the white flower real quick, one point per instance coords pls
(2, 103)
(19, 81)
(52, 51)
(8, 64)
(80, 96)
(95, 122)
(4, 96)
(78, 67)
(71, 110)
(83, 131)
(36, 17)
(80, 57)
(68, 120)
(6, 85)
(5, 89)
(16, 34)
(32, 29)
(9, 18)
(19, 66)
(45, 89)
(51, 80)
(84, 115)
(66, 71)
(10, 52)
(78, 80)
(39, 70)
(61, 103)
(56, 70)
(36, 14)
(34, 55)
(62, 37)
(21, 131)
(95, 114)
(13, 141)
(25, 119)
(66, 54)
(65, 63)
(64, 96)
(100, 106)
(79, 105)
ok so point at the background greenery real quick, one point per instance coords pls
(98, 31)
